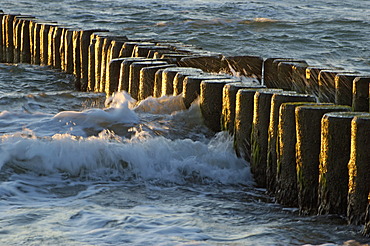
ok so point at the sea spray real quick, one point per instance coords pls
(156, 158)
(161, 105)
(118, 112)
(119, 100)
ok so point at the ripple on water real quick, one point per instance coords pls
(173, 183)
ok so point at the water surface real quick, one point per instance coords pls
(77, 169)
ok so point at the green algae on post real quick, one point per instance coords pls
(276, 101)
(359, 166)
(134, 77)
(178, 80)
(191, 86)
(243, 121)
(259, 135)
(211, 102)
(308, 127)
(229, 103)
(124, 76)
(168, 76)
(286, 171)
(334, 157)
(147, 80)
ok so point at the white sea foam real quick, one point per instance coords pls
(143, 155)
(157, 158)
(120, 99)
(162, 105)
(118, 112)
(121, 111)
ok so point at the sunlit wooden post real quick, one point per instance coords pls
(68, 49)
(168, 76)
(229, 103)
(243, 121)
(32, 34)
(360, 97)
(147, 78)
(299, 81)
(91, 65)
(25, 56)
(124, 77)
(344, 88)
(37, 44)
(116, 47)
(211, 102)
(191, 86)
(312, 79)
(17, 33)
(77, 58)
(62, 48)
(44, 43)
(2, 32)
(51, 45)
(212, 63)
(83, 41)
(259, 135)
(269, 73)
(327, 88)
(143, 50)
(178, 80)
(359, 166)
(249, 66)
(134, 75)
(128, 48)
(157, 92)
(334, 157)
(285, 73)
(286, 171)
(308, 127)
(98, 61)
(8, 37)
(276, 101)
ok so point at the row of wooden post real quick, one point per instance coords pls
(305, 134)
(304, 129)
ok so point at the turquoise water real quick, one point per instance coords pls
(76, 170)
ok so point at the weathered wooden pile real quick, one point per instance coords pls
(304, 129)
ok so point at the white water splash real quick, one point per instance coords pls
(162, 105)
(118, 112)
(155, 158)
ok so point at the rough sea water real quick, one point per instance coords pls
(81, 169)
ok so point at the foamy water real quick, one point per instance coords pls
(81, 169)
(52, 182)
